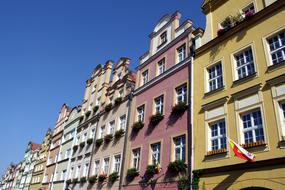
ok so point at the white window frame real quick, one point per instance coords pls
(106, 165)
(144, 77)
(219, 136)
(277, 49)
(155, 153)
(159, 104)
(102, 131)
(161, 66)
(85, 170)
(216, 78)
(140, 113)
(181, 93)
(123, 122)
(112, 125)
(117, 163)
(181, 53)
(247, 8)
(136, 154)
(77, 172)
(96, 167)
(179, 146)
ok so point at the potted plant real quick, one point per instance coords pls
(102, 177)
(132, 173)
(179, 108)
(89, 141)
(82, 179)
(75, 180)
(227, 23)
(75, 147)
(118, 101)
(108, 138)
(221, 32)
(95, 109)
(108, 107)
(93, 179)
(183, 183)
(151, 170)
(119, 133)
(177, 166)
(113, 177)
(87, 113)
(82, 144)
(248, 15)
(138, 125)
(98, 142)
(156, 118)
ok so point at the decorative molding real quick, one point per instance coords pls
(216, 103)
(247, 92)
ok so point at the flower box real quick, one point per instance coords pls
(108, 107)
(69, 181)
(113, 177)
(183, 183)
(132, 173)
(102, 177)
(108, 138)
(218, 151)
(248, 15)
(155, 119)
(118, 101)
(82, 144)
(83, 179)
(138, 125)
(177, 166)
(179, 108)
(119, 133)
(151, 171)
(95, 109)
(93, 179)
(75, 180)
(98, 142)
(75, 147)
(89, 141)
(254, 144)
(87, 113)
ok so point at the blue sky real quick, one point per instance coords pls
(49, 48)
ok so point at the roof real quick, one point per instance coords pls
(35, 146)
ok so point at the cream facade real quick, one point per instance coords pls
(238, 93)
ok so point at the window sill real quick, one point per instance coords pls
(254, 144)
(216, 152)
(275, 66)
(214, 91)
(244, 79)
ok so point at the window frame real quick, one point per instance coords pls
(144, 77)
(104, 165)
(219, 136)
(158, 66)
(176, 93)
(119, 163)
(175, 146)
(160, 106)
(155, 153)
(183, 46)
(137, 158)
(138, 117)
(220, 62)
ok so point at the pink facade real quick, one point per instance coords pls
(157, 143)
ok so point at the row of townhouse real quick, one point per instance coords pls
(167, 125)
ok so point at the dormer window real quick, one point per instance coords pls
(163, 38)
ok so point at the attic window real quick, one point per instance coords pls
(163, 39)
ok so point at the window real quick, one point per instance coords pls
(117, 163)
(63, 175)
(161, 66)
(111, 99)
(121, 93)
(77, 173)
(155, 153)
(98, 101)
(94, 88)
(85, 171)
(215, 75)
(123, 122)
(159, 104)
(136, 158)
(119, 75)
(71, 172)
(181, 52)
(84, 137)
(102, 132)
(282, 115)
(244, 63)
(218, 135)
(97, 167)
(112, 127)
(249, 8)
(163, 38)
(106, 165)
(77, 140)
(181, 93)
(144, 77)
(92, 134)
(67, 153)
(140, 111)
(277, 48)
(252, 127)
(179, 148)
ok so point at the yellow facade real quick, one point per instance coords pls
(261, 91)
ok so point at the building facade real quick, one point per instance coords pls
(65, 152)
(94, 97)
(38, 173)
(109, 144)
(49, 173)
(239, 93)
(158, 134)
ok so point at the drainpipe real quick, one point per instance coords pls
(130, 98)
(190, 114)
